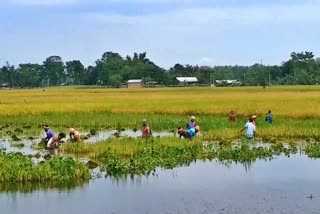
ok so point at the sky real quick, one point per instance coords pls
(197, 32)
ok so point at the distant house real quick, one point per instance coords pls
(228, 83)
(135, 83)
(5, 85)
(187, 81)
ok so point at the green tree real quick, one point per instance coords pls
(30, 75)
(75, 72)
(54, 73)
(109, 65)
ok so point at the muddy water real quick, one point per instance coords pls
(278, 186)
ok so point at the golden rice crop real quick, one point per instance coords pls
(289, 102)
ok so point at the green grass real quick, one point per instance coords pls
(17, 168)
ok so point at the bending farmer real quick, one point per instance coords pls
(53, 143)
(74, 135)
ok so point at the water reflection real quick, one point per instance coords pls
(30, 187)
(277, 186)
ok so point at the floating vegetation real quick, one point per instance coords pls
(93, 132)
(18, 130)
(15, 138)
(84, 137)
(38, 155)
(27, 126)
(17, 168)
(313, 150)
(47, 156)
(91, 165)
(17, 145)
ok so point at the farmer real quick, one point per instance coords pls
(250, 129)
(197, 130)
(269, 117)
(49, 133)
(192, 123)
(146, 131)
(53, 142)
(254, 118)
(188, 134)
(74, 135)
(184, 134)
(232, 116)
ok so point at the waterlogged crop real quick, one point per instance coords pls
(17, 168)
(313, 150)
(119, 157)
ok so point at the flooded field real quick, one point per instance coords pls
(282, 185)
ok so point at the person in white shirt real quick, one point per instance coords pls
(250, 129)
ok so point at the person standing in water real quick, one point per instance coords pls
(250, 129)
(146, 131)
(269, 117)
(232, 116)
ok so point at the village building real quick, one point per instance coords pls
(135, 83)
(187, 81)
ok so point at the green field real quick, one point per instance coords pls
(295, 109)
(24, 112)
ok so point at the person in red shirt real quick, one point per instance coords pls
(146, 131)
(232, 116)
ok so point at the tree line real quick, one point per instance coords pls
(112, 70)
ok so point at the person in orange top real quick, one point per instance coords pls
(74, 135)
(146, 131)
(232, 116)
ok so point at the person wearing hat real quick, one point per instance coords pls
(74, 135)
(192, 123)
(254, 117)
(145, 129)
(49, 133)
(197, 130)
